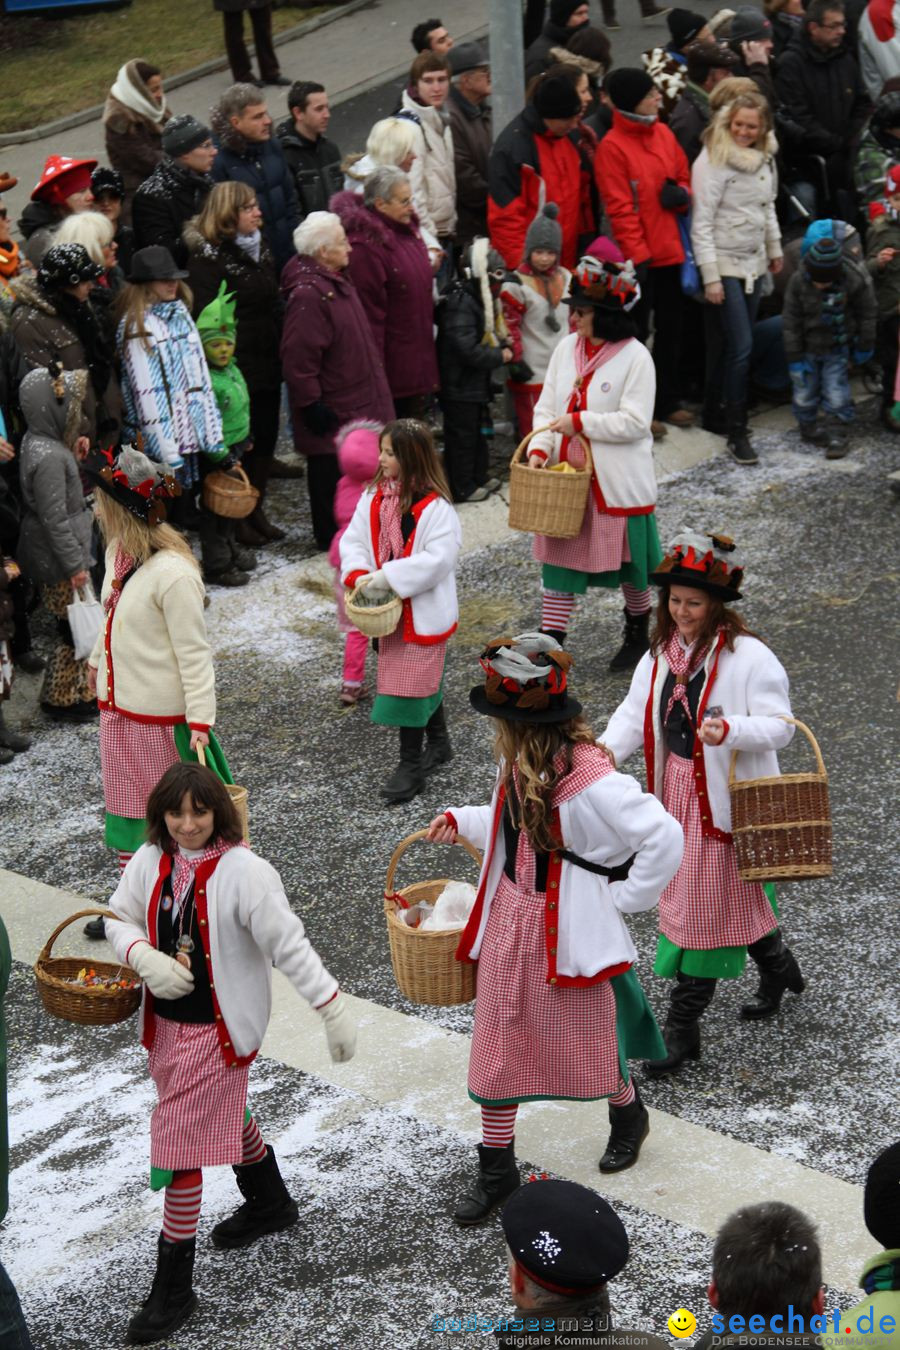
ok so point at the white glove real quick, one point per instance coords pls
(340, 1028)
(376, 582)
(163, 975)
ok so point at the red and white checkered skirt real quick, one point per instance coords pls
(706, 904)
(133, 758)
(199, 1119)
(602, 545)
(534, 1039)
(408, 670)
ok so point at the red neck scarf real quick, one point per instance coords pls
(123, 565)
(390, 535)
(184, 869)
(683, 664)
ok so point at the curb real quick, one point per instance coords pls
(78, 119)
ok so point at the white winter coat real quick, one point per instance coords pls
(433, 173)
(879, 58)
(750, 685)
(734, 231)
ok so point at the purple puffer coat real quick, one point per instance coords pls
(328, 353)
(392, 272)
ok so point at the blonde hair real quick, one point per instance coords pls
(218, 217)
(533, 747)
(718, 137)
(727, 90)
(391, 140)
(133, 535)
(132, 305)
(90, 229)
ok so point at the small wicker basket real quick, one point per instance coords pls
(89, 1006)
(376, 621)
(424, 962)
(229, 493)
(547, 502)
(782, 826)
(240, 798)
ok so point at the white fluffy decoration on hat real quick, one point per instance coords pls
(514, 662)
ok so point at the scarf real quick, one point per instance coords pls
(683, 663)
(588, 358)
(250, 243)
(881, 1278)
(122, 568)
(184, 868)
(130, 90)
(390, 532)
(99, 348)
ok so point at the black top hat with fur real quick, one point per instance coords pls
(525, 681)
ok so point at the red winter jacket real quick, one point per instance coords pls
(633, 161)
(527, 168)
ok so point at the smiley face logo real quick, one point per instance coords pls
(682, 1323)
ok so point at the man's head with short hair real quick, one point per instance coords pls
(308, 105)
(243, 109)
(429, 76)
(766, 1257)
(709, 62)
(431, 36)
(826, 24)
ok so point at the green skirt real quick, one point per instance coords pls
(646, 555)
(392, 710)
(125, 834)
(713, 963)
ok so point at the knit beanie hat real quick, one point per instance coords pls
(183, 134)
(824, 261)
(555, 96)
(106, 180)
(749, 25)
(561, 11)
(627, 86)
(544, 231)
(684, 26)
(881, 1200)
(604, 250)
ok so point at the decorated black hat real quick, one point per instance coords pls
(105, 180)
(525, 680)
(66, 265)
(702, 562)
(564, 1236)
(607, 285)
(134, 482)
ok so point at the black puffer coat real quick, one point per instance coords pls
(315, 166)
(822, 94)
(257, 298)
(465, 362)
(263, 167)
(163, 204)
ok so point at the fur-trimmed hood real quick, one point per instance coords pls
(26, 293)
(562, 56)
(724, 152)
(225, 134)
(365, 223)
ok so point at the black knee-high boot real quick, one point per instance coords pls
(408, 779)
(438, 749)
(689, 998)
(778, 970)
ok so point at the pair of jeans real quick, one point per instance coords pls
(662, 296)
(729, 341)
(825, 384)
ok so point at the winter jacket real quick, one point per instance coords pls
(689, 119)
(43, 335)
(864, 1321)
(254, 286)
(466, 361)
(668, 71)
(879, 44)
(884, 232)
(315, 166)
(328, 353)
(805, 326)
(163, 204)
(470, 124)
(878, 150)
(527, 168)
(55, 538)
(391, 270)
(632, 164)
(133, 143)
(251, 929)
(823, 95)
(263, 167)
(358, 463)
(529, 301)
(783, 33)
(538, 56)
(433, 173)
(734, 231)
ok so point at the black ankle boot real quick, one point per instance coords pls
(778, 970)
(408, 779)
(13, 740)
(738, 443)
(498, 1177)
(630, 1126)
(267, 1206)
(635, 643)
(438, 749)
(689, 998)
(171, 1299)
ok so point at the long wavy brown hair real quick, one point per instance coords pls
(421, 470)
(533, 747)
(718, 616)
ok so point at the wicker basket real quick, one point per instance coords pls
(425, 964)
(376, 621)
(240, 798)
(782, 826)
(229, 492)
(93, 1007)
(542, 502)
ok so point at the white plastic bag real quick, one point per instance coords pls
(85, 616)
(452, 907)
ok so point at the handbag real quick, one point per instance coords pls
(690, 272)
(85, 615)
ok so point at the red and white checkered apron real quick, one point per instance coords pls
(199, 1119)
(408, 670)
(133, 758)
(706, 904)
(601, 546)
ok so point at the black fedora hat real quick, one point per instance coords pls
(525, 681)
(155, 263)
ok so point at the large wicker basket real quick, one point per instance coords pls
(376, 621)
(240, 798)
(546, 502)
(229, 492)
(90, 1006)
(425, 964)
(782, 826)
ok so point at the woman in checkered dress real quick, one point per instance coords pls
(570, 847)
(706, 688)
(202, 920)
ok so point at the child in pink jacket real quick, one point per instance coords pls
(357, 448)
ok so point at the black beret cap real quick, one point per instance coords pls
(564, 1236)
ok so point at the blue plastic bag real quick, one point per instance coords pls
(690, 273)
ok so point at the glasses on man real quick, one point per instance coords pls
(833, 27)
